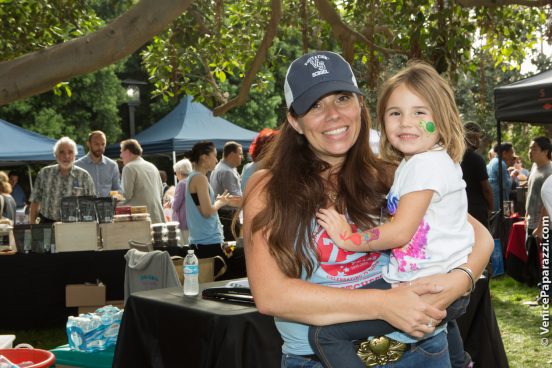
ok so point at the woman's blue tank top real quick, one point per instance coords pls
(203, 230)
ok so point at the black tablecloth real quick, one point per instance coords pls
(479, 330)
(33, 285)
(164, 329)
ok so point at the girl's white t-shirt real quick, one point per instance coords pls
(444, 238)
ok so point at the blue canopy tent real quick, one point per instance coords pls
(19, 146)
(190, 122)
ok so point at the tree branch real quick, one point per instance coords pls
(496, 3)
(40, 71)
(211, 80)
(258, 61)
(344, 33)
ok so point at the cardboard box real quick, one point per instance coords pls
(117, 234)
(76, 236)
(84, 295)
(116, 303)
(91, 309)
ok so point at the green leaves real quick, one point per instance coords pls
(29, 25)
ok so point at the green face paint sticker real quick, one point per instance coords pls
(428, 126)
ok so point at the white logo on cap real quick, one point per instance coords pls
(318, 64)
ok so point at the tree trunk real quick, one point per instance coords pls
(40, 71)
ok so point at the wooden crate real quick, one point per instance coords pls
(76, 236)
(117, 234)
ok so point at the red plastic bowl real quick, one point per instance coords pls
(40, 358)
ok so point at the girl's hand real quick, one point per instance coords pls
(405, 309)
(336, 226)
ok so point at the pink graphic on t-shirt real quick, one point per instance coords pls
(414, 250)
(333, 259)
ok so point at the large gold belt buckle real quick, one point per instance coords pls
(380, 351)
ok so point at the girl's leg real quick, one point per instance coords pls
(298, 361)
(333, 344)
(429, 353)
(456, 346)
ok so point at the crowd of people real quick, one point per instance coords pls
(323, 256)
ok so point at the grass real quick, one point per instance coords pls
(519, 326)
(41, 338)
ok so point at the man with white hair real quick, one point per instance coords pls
(56, 181)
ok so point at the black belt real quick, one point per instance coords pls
(224, 210)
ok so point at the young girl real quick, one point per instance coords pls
(428, 233)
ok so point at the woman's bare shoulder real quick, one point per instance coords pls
(257, 182)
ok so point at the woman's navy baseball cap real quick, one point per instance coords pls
(315, 75)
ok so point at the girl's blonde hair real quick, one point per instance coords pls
(423, 80)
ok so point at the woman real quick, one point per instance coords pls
(256, 151)
(322, 159)
(8, 203)
(205, 230)
(182, 169)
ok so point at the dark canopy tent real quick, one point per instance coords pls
(19, 146)
(526, 101)
(189, 123)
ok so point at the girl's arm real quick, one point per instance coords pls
(396, 233)
(456, 283)
(294, 299)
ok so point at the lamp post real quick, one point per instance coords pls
(133, 94)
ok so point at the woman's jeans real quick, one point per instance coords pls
(429, 353)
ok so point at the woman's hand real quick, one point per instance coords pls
(453, 284)
(222, 200)
(406, 309)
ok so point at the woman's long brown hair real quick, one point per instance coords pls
(295, 190)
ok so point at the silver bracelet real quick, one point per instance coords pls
(468, 272)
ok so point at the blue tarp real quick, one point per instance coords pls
(189, 123)
(20, 146)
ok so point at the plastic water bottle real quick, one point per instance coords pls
(191, 274)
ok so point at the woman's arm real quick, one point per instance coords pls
(456, 283)
(179, 195)
(396, 233)
(201, 186)
(297, 300)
